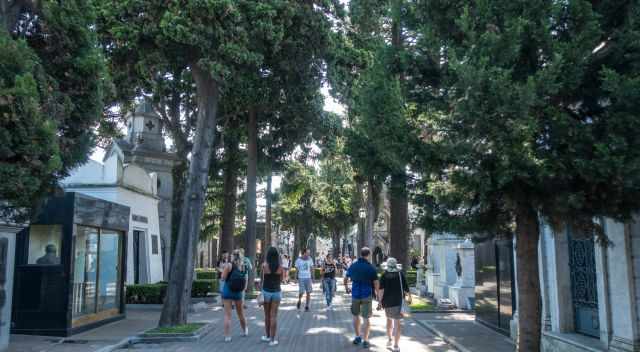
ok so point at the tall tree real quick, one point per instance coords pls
(152, 34)
(537, 121)
(52, 91)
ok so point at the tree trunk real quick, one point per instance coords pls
(399, 227)
(230, 189)
(528, 279)
(335, 239)
(251, 212)
(371, 215)
(267, 218)
(178, 296)
(297, 238)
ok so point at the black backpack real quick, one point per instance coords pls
(237, 281)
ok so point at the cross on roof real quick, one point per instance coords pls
(150, 125)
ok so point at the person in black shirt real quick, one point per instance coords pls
(393, 288)
(329, 279)
(272, 272)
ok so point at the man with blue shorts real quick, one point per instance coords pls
(364, 280)
(304, 266)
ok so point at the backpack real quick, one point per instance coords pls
(237, 281)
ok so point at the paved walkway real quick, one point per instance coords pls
(98, 339)
(317, 330)
(464, 333)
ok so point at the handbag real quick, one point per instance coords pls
(405, 310)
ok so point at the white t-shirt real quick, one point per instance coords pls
(304, 267)
(285, 263)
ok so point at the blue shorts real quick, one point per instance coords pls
(230, 295)
(272, 296)
(305, 285)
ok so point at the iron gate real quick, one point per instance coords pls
(584, 292)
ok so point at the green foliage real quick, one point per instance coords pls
(52, 83)
(412, 276)
(538, 111)
(202, 288)
(206, 274)
(146, 294)
(317, 273)
(155, 293)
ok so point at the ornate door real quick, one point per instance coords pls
(584, 292)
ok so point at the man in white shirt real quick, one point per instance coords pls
(304, 266)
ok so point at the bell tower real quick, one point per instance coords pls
(144, 129)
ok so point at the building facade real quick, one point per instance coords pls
(590, 289)
(144, 146)
(132, 186)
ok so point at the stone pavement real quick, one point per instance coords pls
(317, 330)
(99, 339)
(464, 333)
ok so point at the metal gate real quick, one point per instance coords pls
(584, 292)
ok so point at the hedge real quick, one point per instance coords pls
(412, 277)
(201, 288)
(155, 293)
(146, 293)
(206, 274)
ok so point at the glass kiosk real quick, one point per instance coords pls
(70, 262)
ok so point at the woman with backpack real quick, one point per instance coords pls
(234, 274)
(393, 289)
(272, 271)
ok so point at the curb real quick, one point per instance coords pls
(443, 336)
(125, 342)
(162, 338)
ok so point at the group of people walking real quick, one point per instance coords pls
(389, 288)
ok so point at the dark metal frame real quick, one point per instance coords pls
(43, 295)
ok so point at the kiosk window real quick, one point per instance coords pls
(44, 244)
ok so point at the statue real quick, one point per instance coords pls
(458, 266)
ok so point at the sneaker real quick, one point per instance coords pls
(357, 340)
(395, 349)
(227, 339)
(366, 344)
(298, 305)
(306, 309)
(246, 331)
(265, 339)
(273, 343)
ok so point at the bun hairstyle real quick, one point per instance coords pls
(238, 259)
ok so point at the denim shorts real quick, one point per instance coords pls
(272, 296)
(305, 285)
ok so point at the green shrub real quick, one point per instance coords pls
(206, 275)
(146, 294)
(317, 273)
(412, 276)
(155, 293)
(293, 274)
(202, 288)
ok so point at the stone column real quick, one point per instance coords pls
(618, 282)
